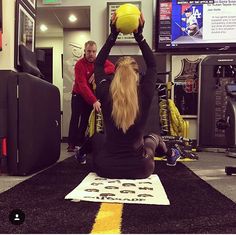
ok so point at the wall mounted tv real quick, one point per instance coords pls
(196, 26)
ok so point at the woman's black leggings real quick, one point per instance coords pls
(142, 168)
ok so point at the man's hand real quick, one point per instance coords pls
(97, 106)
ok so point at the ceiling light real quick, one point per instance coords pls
(72, 18)
(43, 27)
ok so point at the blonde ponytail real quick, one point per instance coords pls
(124, 93)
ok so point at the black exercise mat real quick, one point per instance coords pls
(42, 200)
(195, 206)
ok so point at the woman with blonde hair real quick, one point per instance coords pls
(123, 151)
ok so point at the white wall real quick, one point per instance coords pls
(7, 53)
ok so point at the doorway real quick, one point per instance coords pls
(45, 62)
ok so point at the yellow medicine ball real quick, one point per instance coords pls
(127, 18)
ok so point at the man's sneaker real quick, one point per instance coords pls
(171, 160)
(81, 158)
(71, 148)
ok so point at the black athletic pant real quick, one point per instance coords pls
(137, 169)
(80, 111)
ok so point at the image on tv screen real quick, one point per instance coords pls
(196, 24)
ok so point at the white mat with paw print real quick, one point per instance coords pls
(139, 191)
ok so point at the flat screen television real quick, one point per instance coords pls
(196, 26)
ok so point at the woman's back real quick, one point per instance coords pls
(131, 140)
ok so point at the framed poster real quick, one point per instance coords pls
(31, 4)
(111, 8)
(24, 29)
